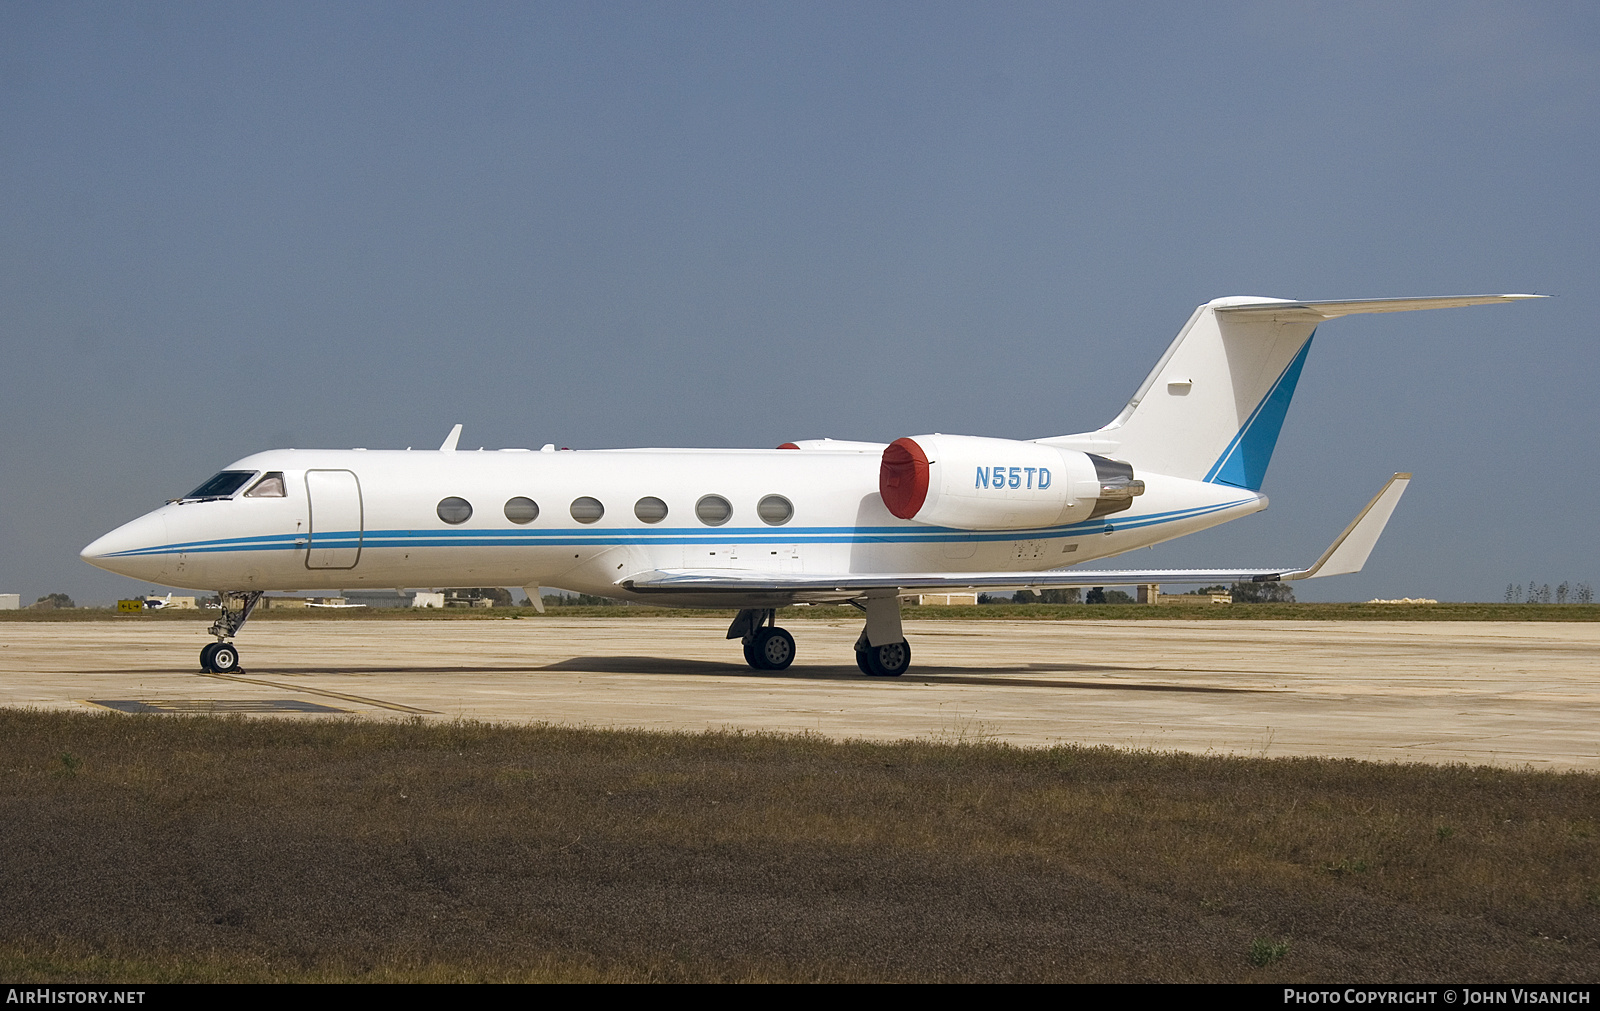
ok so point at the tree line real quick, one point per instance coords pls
(1240, 593)
(1539, 593)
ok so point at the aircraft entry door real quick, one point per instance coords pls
(335, 498)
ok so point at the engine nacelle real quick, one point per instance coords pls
(999, 484)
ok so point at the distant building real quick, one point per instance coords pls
(424, 599)
(466, 598)
(10, 601)
(301, 603)
(944, 599)
(378, 598)
(1194, 598)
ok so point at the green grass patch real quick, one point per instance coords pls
(162, 848)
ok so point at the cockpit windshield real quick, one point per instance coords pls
(221, 486)
(270, 486)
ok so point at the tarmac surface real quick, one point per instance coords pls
(1501, 693)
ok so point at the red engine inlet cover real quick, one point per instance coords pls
(903, 478)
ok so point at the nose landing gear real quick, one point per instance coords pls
(222, 657)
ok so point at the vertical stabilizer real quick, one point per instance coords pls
(1212, 408)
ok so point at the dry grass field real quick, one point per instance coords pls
(156, 848)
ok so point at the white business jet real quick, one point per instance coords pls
(811, 522)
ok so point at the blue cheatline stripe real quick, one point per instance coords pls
(1244, 463)
(603, 537)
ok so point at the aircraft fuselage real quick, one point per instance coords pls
(355, 518)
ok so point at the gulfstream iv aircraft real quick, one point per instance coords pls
(810, 522)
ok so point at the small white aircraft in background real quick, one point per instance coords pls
(811, 522)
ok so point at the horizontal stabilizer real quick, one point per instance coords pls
(1286, 311)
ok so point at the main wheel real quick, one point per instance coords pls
(225, 658)
(751, 657)
(774, 648)
(206, 653)
(887, 661)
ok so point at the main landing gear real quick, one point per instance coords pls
(222, 657)
(766, 646)
(881, 651)
(889, 661)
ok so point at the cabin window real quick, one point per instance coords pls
(775, 510)
(221, 486)
(270, 486)
(587, 510)
(713, 510)
(522, 509)
(454, 510)
(650, 509)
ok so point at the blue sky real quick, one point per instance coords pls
(230, 227)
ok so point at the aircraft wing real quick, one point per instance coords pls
(1348, 553)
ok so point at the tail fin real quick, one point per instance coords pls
(1212, 408)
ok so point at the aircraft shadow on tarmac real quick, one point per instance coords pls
(330, 668)
(994, 677)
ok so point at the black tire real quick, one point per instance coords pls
(206, 652)
(225, 658)
(861, 661)
(774, 648)
(751, 657)
(887, 661)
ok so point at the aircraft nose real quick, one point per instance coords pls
(137, 548)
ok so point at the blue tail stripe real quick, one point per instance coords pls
(1244, 463)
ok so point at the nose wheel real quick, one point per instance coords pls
(219, 658)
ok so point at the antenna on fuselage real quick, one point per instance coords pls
(449, 444)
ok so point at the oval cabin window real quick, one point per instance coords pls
(650, 509)
(713, 510)
(587, 509)
(454, 510)
(522, 509)
(775, 510)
